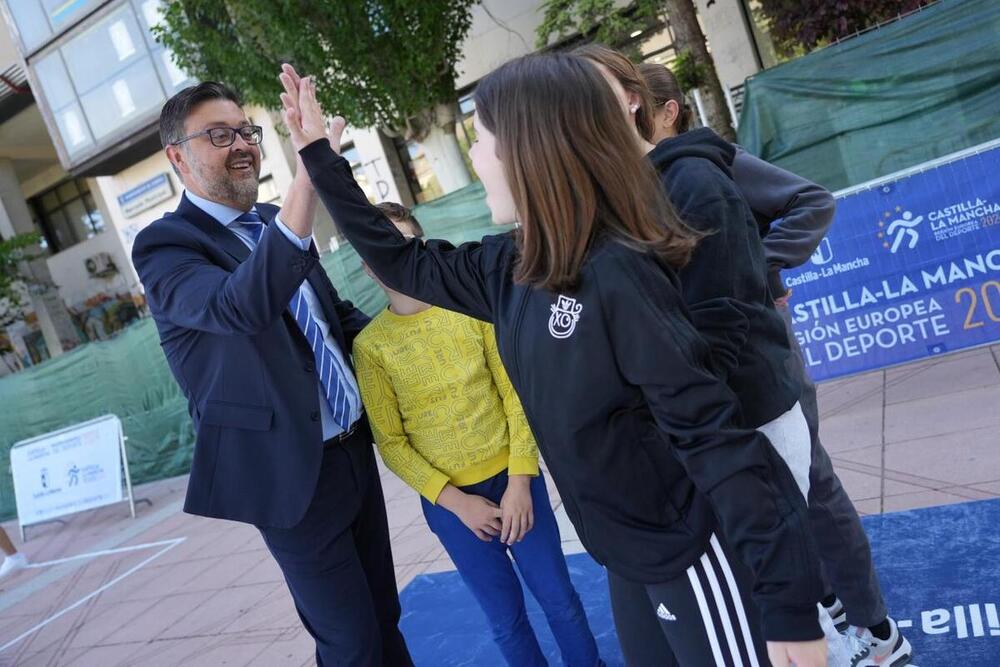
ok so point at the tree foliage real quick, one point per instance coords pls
(603, 20)
(689, 72)
(13, 286)
(801, 25)
(376, 62)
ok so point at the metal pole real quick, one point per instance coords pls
(699, 106)
(128, 476)
(732, 107)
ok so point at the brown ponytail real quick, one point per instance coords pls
(663, 87)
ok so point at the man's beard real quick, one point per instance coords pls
(240, 192)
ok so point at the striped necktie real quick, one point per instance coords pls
(330, 372)
(252, 225)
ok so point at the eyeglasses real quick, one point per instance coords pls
(224, 137)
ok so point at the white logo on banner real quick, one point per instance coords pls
(565, 315)
(823, 253)
(904, 229)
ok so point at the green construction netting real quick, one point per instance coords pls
(917, 89)
(128, 376)
(460, 216)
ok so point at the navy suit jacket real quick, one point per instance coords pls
(240, 358)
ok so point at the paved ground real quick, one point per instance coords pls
(200, 592)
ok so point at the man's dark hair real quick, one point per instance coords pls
(180, 106)
(399, 213)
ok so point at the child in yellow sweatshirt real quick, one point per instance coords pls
(448, 422)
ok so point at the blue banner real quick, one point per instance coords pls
(910, 269)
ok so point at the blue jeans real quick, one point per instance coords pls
(488, 572)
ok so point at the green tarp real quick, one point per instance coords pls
(917, 89)
(460, 216)
(128, 376)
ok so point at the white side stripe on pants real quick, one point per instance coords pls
(741, 613)
(706, 615)
(722, 607)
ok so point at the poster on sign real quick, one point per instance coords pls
(910, 269)
(68, 471)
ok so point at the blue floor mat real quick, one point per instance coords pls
(939, 568)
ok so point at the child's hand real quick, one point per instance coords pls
(479, 515)
(516, 513)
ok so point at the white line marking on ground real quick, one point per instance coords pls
(169, 544)
(13, 596)
(105, 552)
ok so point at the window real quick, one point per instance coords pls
(465, 129)
(760, 30)
(268, 191)
(31, 23)
(62, 14)
(113, 73)
(40, 20)
(173, 78)
(423, 182)
(67, 215)
(107, 78)
(422, 172)
(63, 104)
(350, 153)
(657, 45)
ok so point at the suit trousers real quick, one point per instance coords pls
(338, 564)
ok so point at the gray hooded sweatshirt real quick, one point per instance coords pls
(793, 213)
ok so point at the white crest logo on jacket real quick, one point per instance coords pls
(565, 315)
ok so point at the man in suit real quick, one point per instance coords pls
(259, 342)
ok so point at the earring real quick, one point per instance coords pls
(633, 108)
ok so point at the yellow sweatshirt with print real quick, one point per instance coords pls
(439, 400)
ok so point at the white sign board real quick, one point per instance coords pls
(68, 471)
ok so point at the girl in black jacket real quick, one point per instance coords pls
(614, 380)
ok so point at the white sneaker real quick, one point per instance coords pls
(838, 614)
(870, 651)
(12, 564)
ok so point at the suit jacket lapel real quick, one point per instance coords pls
(237, 250)
(215, 230)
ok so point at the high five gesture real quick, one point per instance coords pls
(302, 113)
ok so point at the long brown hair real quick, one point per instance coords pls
(663, 88)
(629, 77)
(573, 168)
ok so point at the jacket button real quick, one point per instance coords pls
(309, 368)
(314, 416)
